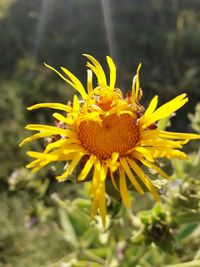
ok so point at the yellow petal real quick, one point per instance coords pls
(88, 166)
(41, 165)
(89, 81)
(174, 135)
(113, 181)
(148, 134)
(71, 167)
(131, 176)
(95, 206)
(112, 72)
(61, 143)
(51, 105)
(103, 172)
(102, 204)
(136, 85)
(146, 181)
(98, 191)
(97, 69)
(156, 168)
(138, 81)
(34, 137)
(62, 118)
(144, 152)
(69, 148)
(33, 163)
(160, 143)
(47, 128)
(164, 111)
(96, 175)
(76, 105)
(123, 188)
(75, 83)
(167, 153)
(35, 154)
(113, 162)
(151, 108)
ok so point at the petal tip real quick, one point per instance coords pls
(20, 144)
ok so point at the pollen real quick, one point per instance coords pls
(116, 134)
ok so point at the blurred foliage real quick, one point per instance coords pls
(45, 223)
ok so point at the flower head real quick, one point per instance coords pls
(108, 134)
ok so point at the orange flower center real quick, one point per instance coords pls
(116, 134)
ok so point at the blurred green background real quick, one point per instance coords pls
(43, 223)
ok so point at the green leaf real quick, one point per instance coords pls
(186, 231)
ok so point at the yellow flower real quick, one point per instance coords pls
(108, 134)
